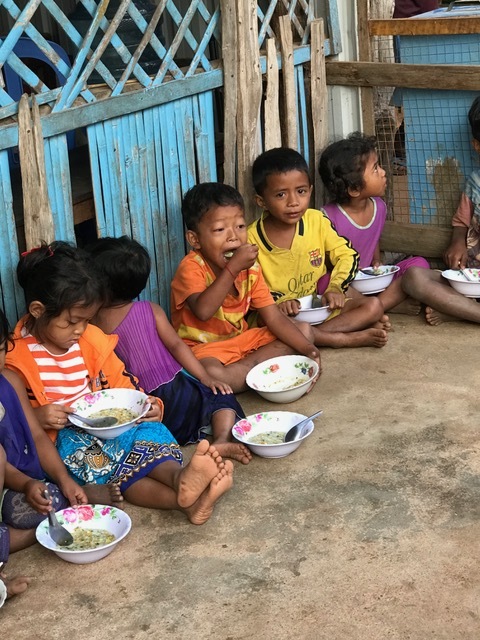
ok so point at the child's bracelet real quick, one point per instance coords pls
(228, 269)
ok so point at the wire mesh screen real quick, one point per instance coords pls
(423, 135)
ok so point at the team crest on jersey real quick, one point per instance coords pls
(315, 257)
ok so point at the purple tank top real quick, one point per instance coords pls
(142, 351)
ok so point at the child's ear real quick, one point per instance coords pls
(353, 193)
(192, 239)
(36, 309)
(259, 201)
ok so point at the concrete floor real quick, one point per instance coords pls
(369, 531)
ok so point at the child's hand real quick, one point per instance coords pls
(334, 299)
(455, 256)
(243, 258)
(215, 385)
(155, 412)
(289, 307)
(314, 354)
(53, 416)
(33, 491)
(73, 492)
(376, 264)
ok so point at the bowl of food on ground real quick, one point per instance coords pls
(465, 281)
(284, 378)
(312, 311)
(374, 279)
(96, 531)
(126, 405)
(264, 433)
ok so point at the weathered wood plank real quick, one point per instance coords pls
(412, 239)
(318, 99)
(229, 55)
(364, 53)
(289, 120)
(424, 26)
(414, 76)
(273, 135)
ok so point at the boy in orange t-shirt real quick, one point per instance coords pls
(218, 282)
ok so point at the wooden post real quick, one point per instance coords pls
(318, 88)
(249, 98)
(288, 74)
(364, 53)
(37, 213)
(273, 134)
(230, 65)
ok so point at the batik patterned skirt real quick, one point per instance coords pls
(122, 460)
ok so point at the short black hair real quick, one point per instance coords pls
(5, 335)
(474, 118)
(342, 165)
(200, 199)
(278, 160)
(60, 276)
(124, 265)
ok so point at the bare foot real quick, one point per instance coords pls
(204, 465)
(202, 509)
(409, 307)
(234, 450)
(108, 494)
(15, 585)
(434, 317)
(365, 338)
(384, 323)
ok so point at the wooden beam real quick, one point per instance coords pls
(424, 26)
(415, 239)
(414, 76)
(364, 53)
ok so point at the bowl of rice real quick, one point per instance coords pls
(127, 405)
(284, 378)
(264, 433)
(96, 531)
(374, 279)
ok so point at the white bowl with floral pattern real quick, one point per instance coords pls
(86, 516)
(268, 421)
(89, 404)
(283, 379)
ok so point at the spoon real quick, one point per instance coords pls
(57, 533)
(295, 432)
(97, 423)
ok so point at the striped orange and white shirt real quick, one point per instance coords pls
(65, 377)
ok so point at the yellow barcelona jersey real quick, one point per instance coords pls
(294, 272)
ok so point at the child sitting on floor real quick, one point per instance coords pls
(218, 282)
(60, 357)
(29, 464)
(442, 302)
(356, 183)
(296, 242)
(153, 352)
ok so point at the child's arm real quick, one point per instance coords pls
(33, 489)
(184, 354)
(345, 262)
(455, 255)
(206, 303)
(50, 461)
(376, 260)
(288, 332)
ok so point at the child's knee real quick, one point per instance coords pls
(306, 330)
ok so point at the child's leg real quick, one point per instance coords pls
(222, 423)
(361, 323)
(442, 302)
(394, 299)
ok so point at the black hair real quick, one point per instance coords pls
(124, 266)
(200, 199)
(342, 165)
(5, 335)
(474, 118)
(60, 276)
(279, 160)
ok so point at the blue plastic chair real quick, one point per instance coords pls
(27, 48)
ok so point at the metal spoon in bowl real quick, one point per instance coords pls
(295, 432)
(57, 533)
(96, 423)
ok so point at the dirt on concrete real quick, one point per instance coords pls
(368, 531)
